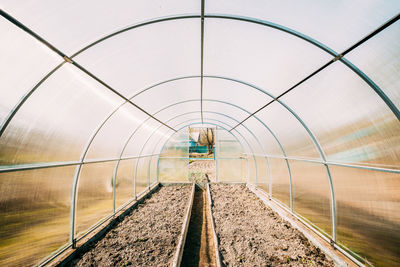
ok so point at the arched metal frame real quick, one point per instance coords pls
(304, 37)
(209, 120)
(381, 94)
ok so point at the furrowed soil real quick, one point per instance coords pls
(251, 234)
(146, 237)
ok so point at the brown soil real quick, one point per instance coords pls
(251, 234)
(146, 237)
(199, 246)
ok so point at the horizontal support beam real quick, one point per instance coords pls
(25, 167)
(331, 163)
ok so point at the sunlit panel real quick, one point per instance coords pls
(112, 136)
(234, 93)
(35, 212)
(292, 135)
(280, 180)
(142, 174)
(167, 94)
(368, 210)
(133, 61)
(23, 63)
(173, 170)
(379, 59)
(90, 20)
(268, 142)
(94, 199)
(265, 57)
(349, 119)
(311, 193)
(58, 119)
(124, 184)
(337, 24)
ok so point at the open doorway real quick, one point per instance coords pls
(202, 167)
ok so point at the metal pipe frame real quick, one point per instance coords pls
(397, 171)
(381, 94)
(186, 124)
(197, 123)
(208, 119)
(304, 37)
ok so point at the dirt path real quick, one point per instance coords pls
(199, 246)
(250, 234)
(146, 237)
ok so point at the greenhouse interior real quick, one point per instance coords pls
(126, 124)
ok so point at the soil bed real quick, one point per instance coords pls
(251, 234)
(146, 237)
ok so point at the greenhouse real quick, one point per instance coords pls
(200, 133)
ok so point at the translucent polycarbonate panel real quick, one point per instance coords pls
(165, 114)
(23, 63)
(149, 147)
(338, 24)
(311, 193)
(379, 59)
(292, 135)
(270, 59)
(173, 170)
(94, 199)
(124, 188)
(348, 118)
(112, 136)
(166, 94)
(225, 108)
(252, 142)
(262, 172)
(368, 212)
(142, 174)
(280, 180)
(153, 169)
(139, 136)
(138, 59)
(57, 120)
(177, 145)
(227, 145)
(35, 211)
(231, 170)
(124, 183)
(268, 142)
(252, 165)
(79, 24)
(177, 121)
(234, 93)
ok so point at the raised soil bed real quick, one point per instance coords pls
(251, 234)
(146, 237)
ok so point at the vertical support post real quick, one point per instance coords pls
(269, 178)
(148, 173)
(134, 178)
(333, 204)
(216, 155)
(114, 180)
(290, 186)
(73, 205)
(248, 170)
(158, 169)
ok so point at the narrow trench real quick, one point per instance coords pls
(199, 246)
